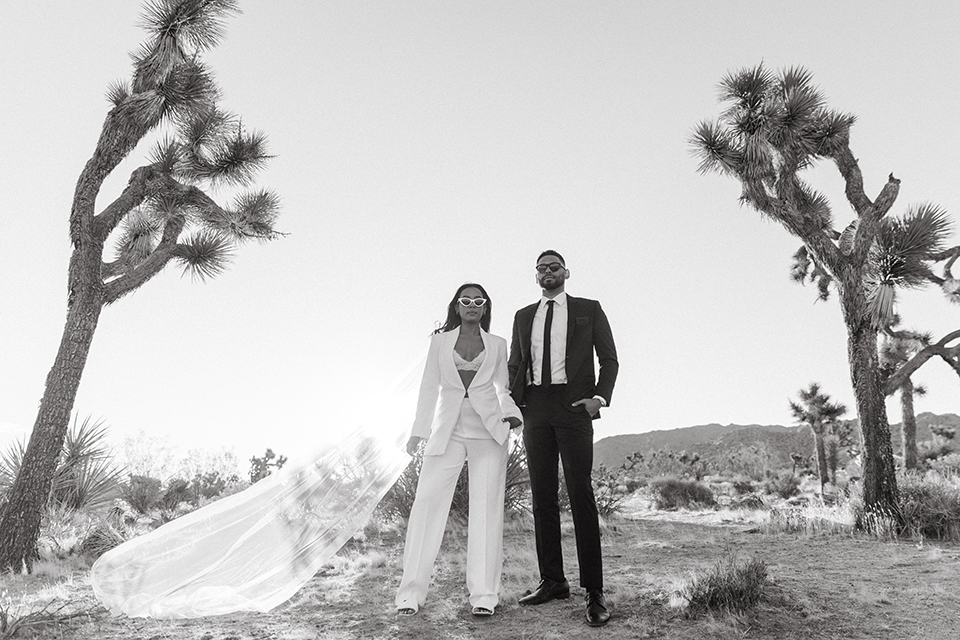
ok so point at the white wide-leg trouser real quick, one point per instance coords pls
(487, 468)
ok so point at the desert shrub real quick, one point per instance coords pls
(743, 486)
(676, 493)
(667, 462)
(33, 620)
(106, 534)
(610, 490)
(930, 505)
(517, 496)
(398, 501)
(211, 484)
(785, 484)
(751, 461)
(730, 586)
(948, 465)
(751, 501)
(141, 492)
(177, 491)
(262, 466)
(62, 530)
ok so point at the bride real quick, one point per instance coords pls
(254, 550)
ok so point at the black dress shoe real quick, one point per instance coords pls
(546, 591)
(597, 612)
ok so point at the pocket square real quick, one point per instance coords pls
(584, 320)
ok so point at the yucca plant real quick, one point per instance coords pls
(86, 476)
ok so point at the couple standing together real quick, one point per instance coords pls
(471, 396)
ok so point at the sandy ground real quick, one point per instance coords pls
(836, 586)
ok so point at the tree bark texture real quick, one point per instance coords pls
(822, 470)
(880, 495)
(908, 427)
(21, 518)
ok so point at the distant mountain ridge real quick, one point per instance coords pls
(714, 439)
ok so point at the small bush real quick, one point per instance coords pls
(211, 484)
(785, 484)
(673, 493)
(62, 529)
(931, 505)
(177, 491)
(948, 465)
(105, 535)
(141, 492)
(398, 501)
(743, 486)
(261, 467)
(610, 490)
(731, 586)
(750, 501)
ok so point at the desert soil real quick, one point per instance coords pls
(837, 586)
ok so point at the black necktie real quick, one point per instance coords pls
(545, 372)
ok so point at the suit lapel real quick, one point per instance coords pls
(448, 368)
(527, 331)
(571, 319)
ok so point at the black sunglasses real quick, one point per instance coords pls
(553, 267)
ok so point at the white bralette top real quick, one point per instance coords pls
(468, 365)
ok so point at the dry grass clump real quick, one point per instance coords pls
(17, 619)
(730, 586)
(815, 518)
(931, 505)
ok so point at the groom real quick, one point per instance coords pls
(552, 380)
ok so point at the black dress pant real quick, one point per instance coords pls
(552, 432)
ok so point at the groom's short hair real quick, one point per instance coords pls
(551, 252)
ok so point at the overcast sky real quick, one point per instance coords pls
(420, 145)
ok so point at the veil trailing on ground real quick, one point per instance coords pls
(253, 550)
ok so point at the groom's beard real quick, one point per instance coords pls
(556, 283)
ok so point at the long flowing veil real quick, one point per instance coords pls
(253, 550)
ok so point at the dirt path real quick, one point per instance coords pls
(822, 587)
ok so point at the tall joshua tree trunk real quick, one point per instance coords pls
(822, 469)
(163, 215)
(908, 428)
(879, 481)
(21, 520)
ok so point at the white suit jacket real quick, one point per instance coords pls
(442, 392)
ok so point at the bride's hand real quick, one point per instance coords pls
(413, 444)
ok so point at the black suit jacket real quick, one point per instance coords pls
(587, 331)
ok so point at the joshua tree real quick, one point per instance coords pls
(774, 127)
(897, 349)
(162, 215)
(817, 411)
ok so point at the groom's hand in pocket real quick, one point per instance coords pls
(592, 405)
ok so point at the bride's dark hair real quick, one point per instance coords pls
(453, 318)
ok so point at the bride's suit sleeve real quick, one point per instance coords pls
(501, 382)
(429, 391)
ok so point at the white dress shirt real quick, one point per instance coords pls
(558, 340)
